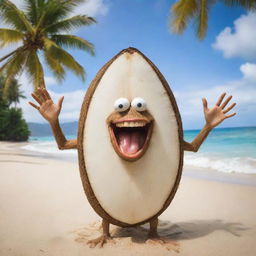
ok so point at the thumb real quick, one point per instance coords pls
(60, 101)
(205, 104)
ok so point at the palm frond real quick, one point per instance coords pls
(9, 36)
(71, 4)
(22, 48)
(35, 70)
(55, 66)
(32, 10)
(64, 58)
(247, 4)
(202, 19)
(181, 13)
(69, 24)
(71, 41)
(15, 17)
(13, 67)
(53, 11)
(14, 63)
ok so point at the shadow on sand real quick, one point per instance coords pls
(166, 230)
(181, 230)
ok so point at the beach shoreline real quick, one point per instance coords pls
(44, 211)
(188, 170)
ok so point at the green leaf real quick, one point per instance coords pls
(247, 4)
(32, 10)
(8, 36)
(15, 17)
(181, 13)
(35, 70)
(13, 67)
(71, 41)
(69, 24)
(55, 66)
(202, 19)
(64, 58)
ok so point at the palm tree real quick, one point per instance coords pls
(13, 95)
(42, 30)
(183, 11)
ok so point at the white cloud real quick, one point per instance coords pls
(93, 8)
(70, 108)
(244, 94)
(89, 7)
(239, 42)
(249, 71)
(189, 102)
(50, 81)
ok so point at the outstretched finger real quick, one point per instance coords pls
(224, 104)
(47, 95)
(34, 105)
(36, 98)
(205, 104)
(220, 99)
(42, 95)
(228, 116)
(60, 101)
(229, 108)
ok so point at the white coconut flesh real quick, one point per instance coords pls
(131, 192)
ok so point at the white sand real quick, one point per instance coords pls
(44, 211)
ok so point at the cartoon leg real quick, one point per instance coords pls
(154, 238)
(104, 238)
(152, 234)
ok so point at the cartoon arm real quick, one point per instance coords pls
(213, 117)
(50, 112)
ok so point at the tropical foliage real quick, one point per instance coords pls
(12, 126)
(13, 95)
(184, 11)
(42, 29)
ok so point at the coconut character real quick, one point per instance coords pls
(130, 141)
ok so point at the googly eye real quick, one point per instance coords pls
(139, 104)
(121, 104)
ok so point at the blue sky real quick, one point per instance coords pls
(193, 68)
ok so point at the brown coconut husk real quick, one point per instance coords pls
(84, 110)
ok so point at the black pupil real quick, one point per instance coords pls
(139, 105)
(120, 105)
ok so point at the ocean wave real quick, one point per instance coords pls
(222, 163)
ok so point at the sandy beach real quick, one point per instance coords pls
(44, 211)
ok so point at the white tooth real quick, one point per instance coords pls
(120, 124)
(131, 124)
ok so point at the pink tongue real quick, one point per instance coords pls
(129, 142)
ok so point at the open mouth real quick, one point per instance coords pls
(130, 138)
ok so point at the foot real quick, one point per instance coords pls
(100, 241)
(154, 238)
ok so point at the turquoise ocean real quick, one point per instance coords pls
(229, 150)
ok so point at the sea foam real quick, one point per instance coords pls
(221, 163)
(201, 160)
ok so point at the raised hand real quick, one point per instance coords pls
(47, 108)
(217, 114)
